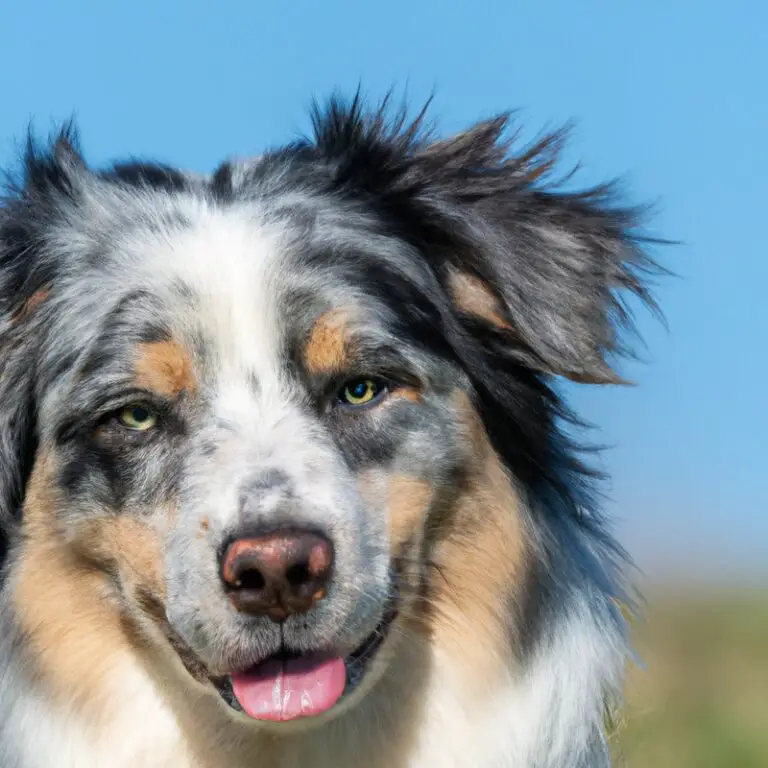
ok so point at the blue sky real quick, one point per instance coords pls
(670, 94)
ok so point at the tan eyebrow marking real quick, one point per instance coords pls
(164, 367)
(327, 346)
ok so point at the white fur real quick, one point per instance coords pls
(135, 729)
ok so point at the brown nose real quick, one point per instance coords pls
(279, 574)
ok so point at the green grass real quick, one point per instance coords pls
(702, 701)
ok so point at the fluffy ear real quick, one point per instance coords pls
(27, 272)
(547, 271)
(17, 408)
(17, 427)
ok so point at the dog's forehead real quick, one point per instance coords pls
(234, 271)
(239, 286)
(254, 288)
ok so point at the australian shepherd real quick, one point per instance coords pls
(285, 469)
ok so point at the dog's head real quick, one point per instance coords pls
(258, 416)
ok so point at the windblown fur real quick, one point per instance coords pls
(234, 304)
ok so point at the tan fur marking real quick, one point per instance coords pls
(408, 502)
(471, 295)
(326, 347)
(481, 563)
(407, 393)
(164, 367)
(128, 544)
(67, 606)
(30, 305)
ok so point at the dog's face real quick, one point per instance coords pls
(236, 379)
(256, 405)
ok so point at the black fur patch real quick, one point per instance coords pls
(152, 175)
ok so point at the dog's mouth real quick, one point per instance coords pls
(290, 686)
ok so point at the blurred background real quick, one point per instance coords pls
(668, 94)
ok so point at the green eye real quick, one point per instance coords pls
(139, 418)
(360, 392)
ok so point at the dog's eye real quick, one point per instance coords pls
(139, 418)
(361, 392)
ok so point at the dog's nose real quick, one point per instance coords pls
(277, 575)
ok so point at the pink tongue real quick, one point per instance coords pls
(291, 688)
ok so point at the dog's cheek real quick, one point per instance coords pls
(408, 501)
(126, 544)
(64, 605)
(130, 547)
(402, 500)
(479, 558)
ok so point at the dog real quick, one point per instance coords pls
(286, 473)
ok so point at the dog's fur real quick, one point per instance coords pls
(235, 305)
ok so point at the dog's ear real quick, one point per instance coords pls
(17, 428)
(17, 410)
(27, 273)
(546, 270)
